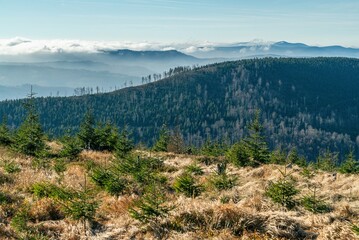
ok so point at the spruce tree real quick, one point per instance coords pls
(293, 157)
(252, 150)
(327, 161)
(162, 142)
(214, 148)
(29, 137)
(5, 134)
(71, 146)
(350, 164)
(107, 137)
(255, 143)
(278, 156)
(283, 191)
(238, 155)
(125, 144)
(87, 134)
(152, 206)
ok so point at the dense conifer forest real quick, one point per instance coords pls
(310, 104)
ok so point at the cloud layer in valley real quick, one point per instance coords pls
(27, 48)
(19, 45)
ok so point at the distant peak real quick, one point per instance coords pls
(134, 52)
(150, 54)
(17, 41)
(282, 42)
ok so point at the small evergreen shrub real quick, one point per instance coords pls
(41, 189)
(44, 189)
(162, 142)
(327, 161)
(194, 169)
(41, 163)
(294, 158)
(99, 176)
(79, 205)
(252, 150)
(106, 137)
(11, 167)
(151, 206)
(4, 198)
(141, 170)
(311, 203)
(238, 155)
(71, 147)
(95, 136)
(308, 172)
(278, 156)
(282, 192)
(29, 137)
(90, 164)
(215, 149)
(186, 184)
(111, 183)
(4, 178)
(223, 181)
(86, 134)
(153, 164)
(20, 221)
(350, 164)
(60, 166)
(225, 199)
(116, 186)
(81, 208)
(355, 229)
(125, 144)
(6, 137)
(135, 167)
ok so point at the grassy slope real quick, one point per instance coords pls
(205, 216)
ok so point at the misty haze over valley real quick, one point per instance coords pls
(67, 68)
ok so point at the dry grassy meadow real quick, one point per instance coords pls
(243, 212)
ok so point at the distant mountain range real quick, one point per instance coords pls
(276, 49)
(106, 70)
(73, 64)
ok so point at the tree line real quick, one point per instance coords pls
(252, 150)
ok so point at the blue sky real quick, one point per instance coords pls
(317, 22)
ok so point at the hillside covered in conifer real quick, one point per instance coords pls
(311, 104)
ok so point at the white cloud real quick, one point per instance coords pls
(21, 45)
(25, 46)
(16, 41)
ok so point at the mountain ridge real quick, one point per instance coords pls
(135, 60)
(310, 104)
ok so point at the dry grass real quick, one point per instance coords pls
(248, 214)
(102, 158)
(45, 210)
(55, 147)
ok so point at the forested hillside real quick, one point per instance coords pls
(308, 103)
